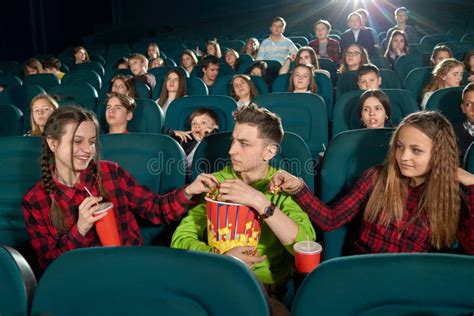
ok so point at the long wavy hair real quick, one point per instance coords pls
(440, 200)
(248, 80)
(439, 72)
(35, 129)
(55, 129)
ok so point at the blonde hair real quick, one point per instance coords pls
(440, 200)
(439, 72)
(35, 129)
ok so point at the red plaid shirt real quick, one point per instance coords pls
(408, 235)
(125, 193)
(332, 48)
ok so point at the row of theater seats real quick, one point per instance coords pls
(156, 280)
(158, 162)
(302, 113)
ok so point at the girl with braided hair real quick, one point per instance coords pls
(59, 213)
(412, 203)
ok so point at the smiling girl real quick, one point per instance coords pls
(59, 213)
(412, 203)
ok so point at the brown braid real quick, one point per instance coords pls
(98, 180)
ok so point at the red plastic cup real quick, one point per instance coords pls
(307, 255)
(106, 227)
(230, 225)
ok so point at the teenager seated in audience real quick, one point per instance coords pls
(41, 108)
(276, 46)
(448, 73)
(118, 112)
(210, 69)
(251, 47)
(53, 66)
(153, 51)
(242, 90)
(323, 45)
(123, 84)
(374, 109)
(156, 62)
(80, 55)
(397, 46)
(122, 63)
(255, 140)
(232, 59)
(259, 68)
(32, 67)
(302, 79)
(469, 65)
(357, 34)
(58, 211)
(401, 18)
(412, 203)
(188, 60)
(174, 86)
(369, 77)
(203, 122)
(305, 55)
(139, 67)
(353, 58)
(465, 131)
(365, 24)
(213, 48)
(440, 53)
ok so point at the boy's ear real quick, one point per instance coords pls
(270, 152)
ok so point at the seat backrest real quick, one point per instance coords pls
(155, 160)
(177, 115)
(45, 81)
(142, 90)
(468, 37)
(390, 79)
(294, 156)
(20, 161)
(196, 87)
(346, 114)
(83, 76)
(91, 65)
(11, 120)
(389, 284)
(17, 283)
(8, 80)
(147, 117)
(329, 65)
(448, 102)
(82, 94)
(404, 64)
(346, 82)
(21, 96)
(417, 79)
(324, 84)
(12, 67)
(302, 113)
(173, 289)
(468, 162)
(348, 155)
(428, 42)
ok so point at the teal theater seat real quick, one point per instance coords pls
(346, 112)
(82, 94)
(468, 162)
(448, 102)
(404, 64)
(92, 65)
(8, 80)
(294, 156)
(83, 76)
(348, 155)
(11, 120)
(148, 281)
(417, 79)
(177, 115)
(389, 284)
(302, 113)
(17, 283)
(323, 83)
(156, 161)
(45, 81)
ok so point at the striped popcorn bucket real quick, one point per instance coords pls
(230, 225)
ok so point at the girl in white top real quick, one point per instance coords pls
(448, 73)
(174, 86)
(302, 79)
(242, 89)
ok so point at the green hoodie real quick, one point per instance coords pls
(192, 232)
